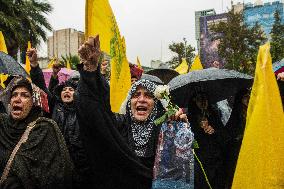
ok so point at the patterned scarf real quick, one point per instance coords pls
(142, 131)
(40, 98)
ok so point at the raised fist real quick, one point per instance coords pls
(90, 53)
(32, 55)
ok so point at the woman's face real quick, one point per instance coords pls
(201, 102)
(21, 103)
(67, 94)
(142, 104)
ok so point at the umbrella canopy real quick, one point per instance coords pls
(218, 84)
(63, 75)
(152, 78)
(75, 75)
(10, 66)
(164, 73)
(278, 67)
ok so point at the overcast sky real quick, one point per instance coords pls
(149, 26)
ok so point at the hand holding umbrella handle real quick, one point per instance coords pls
(204, 124)
(280, 76)
(32, 55)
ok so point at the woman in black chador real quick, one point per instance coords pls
(33, 154)
(207, 128)
(121, 148)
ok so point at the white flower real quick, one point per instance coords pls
(160, 90)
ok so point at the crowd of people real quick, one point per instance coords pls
(66, 136)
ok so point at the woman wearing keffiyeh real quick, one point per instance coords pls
(121, 148)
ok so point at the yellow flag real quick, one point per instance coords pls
(3, 47)
(28, 64)
(138, 63)
(196, 65)
(3, 78)
(52, 61)
(120, 78)
(261, 159)
(99, 19)
(183, 67)
(68, 65)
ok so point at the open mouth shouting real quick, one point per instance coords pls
(67, 94)
(142, 104)
(21, 103)
(17, 110)
(141, 110)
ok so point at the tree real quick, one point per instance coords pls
(22, 21)
(182, 50)
(74, 60)
(238, 43)
(277, 38)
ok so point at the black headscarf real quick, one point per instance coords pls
(43, 160)
(59, 88)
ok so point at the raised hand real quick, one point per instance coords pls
(90, 53)
(32, 55)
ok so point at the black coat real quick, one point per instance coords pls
(113, 163)
(124, 127)
(2, 108)
(66, 118)
(42, 162)
(210, 151)
(235, 128)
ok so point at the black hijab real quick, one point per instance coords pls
(43, 160)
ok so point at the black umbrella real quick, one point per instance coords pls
(152, 78)
(10, 66)
(218, 84)
(164, 73)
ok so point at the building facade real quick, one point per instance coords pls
(262, 13)
(199, 14)
(64, 42)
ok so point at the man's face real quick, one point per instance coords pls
(142, 103)
(67, 94)
(21, 103)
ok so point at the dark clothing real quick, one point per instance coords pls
(123, 123)
(281, 89)
(53, 82)
(113, 163)
(2, 108)
(42, 162)
(65, 116)
(235, 128)
(210, 148)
